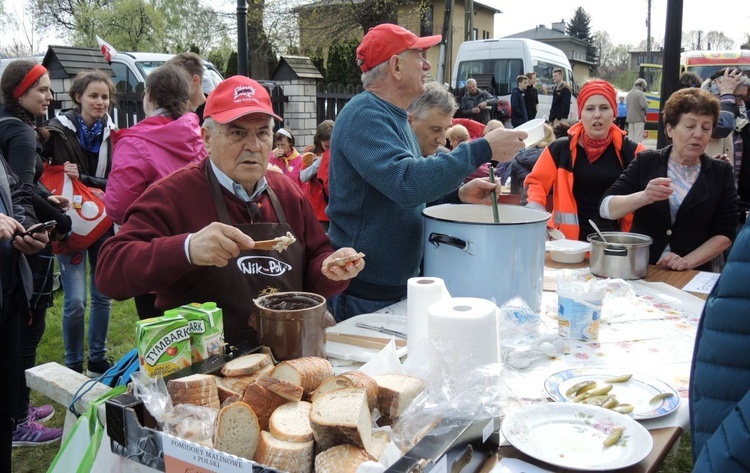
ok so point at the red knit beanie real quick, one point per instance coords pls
(597, 87)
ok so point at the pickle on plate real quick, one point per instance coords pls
(619, 379)
(623, 408)
(580, 387)
(615, 436)
(660, 397)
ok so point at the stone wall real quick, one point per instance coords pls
(300, 110)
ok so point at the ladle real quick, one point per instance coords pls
(598, 232)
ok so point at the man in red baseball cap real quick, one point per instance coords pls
(379, 181)
(192, 236)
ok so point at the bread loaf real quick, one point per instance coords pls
(341, 417)
(341, 459)
(364, 380)
(396, 392)
(294, 457)
(263, 402)
(291, 422)
(237, 430)
(331, 384)
(380, 439)
(307, 372)
(239, 383)
(246, 364)
(197, 389)
(285, 389)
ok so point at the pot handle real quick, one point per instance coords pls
(616, 251)
(438, 238)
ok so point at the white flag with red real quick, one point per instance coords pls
(108, 51)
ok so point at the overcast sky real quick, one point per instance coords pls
(625, 21)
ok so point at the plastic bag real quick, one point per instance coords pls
(525, 337)
(80, 449)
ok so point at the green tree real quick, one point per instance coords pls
(341, 65)
(579, 27)
(131, 25)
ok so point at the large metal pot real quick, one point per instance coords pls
(479, 258)
(624, 255)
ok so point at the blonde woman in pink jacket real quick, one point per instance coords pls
(167, 140)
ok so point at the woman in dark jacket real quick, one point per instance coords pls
(26, 94)
(684, 200)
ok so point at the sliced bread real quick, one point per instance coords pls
(294, 457)
(396, 392)
(331, 384)
(291, 422)
(263, 402)
(197, 389)
(225, 391)
(194, 381)
(285, 389)
(307, 372)
(237, 430)
(380, 438)
(361, 379)
(239, 383)
(246, 364)
(341, 416)
(341, 459)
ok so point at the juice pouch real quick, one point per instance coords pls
(163, 344)
(206, 329)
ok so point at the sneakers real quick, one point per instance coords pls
(31, 434)
(94, 369)
(41, 413)
(77, 367)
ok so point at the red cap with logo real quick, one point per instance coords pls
(236, 97)
(386, 40)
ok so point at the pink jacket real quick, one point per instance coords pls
(147, 152)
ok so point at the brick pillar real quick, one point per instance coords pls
(299, 110)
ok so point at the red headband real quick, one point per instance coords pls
(32, 76)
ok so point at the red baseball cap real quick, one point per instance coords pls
(386, 40)
(236, 97)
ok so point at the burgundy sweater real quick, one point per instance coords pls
(148, 253)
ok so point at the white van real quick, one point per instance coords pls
(508, 58)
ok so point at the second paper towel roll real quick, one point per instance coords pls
(464, 332)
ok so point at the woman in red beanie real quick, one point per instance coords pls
(583, 165)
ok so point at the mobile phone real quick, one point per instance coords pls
(42, 227)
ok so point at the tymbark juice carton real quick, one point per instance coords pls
(206, 324)
(163, 343)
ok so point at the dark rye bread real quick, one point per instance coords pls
(341, 417)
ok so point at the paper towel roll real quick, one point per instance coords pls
(421, 293)
(464, 332)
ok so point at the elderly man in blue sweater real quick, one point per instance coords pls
(379, 181)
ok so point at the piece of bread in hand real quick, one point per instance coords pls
(396, 392)
(291, 422)
(341, 459)
(308, 372)
(293, 457)
(341, 416)
(237, 430)
(263, 402)
(239, 383)
(361, 379)
(285, 389)
(246, 364)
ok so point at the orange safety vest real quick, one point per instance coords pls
(555, 169)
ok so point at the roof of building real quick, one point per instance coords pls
(295, 67)
(67, 61)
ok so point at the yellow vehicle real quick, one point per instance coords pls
(652, 74)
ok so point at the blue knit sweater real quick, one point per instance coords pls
(379, 184)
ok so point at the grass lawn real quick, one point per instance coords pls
(122, 339)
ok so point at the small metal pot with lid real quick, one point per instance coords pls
(623, 255)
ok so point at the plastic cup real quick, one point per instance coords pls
(578, 314)
(535, 130)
